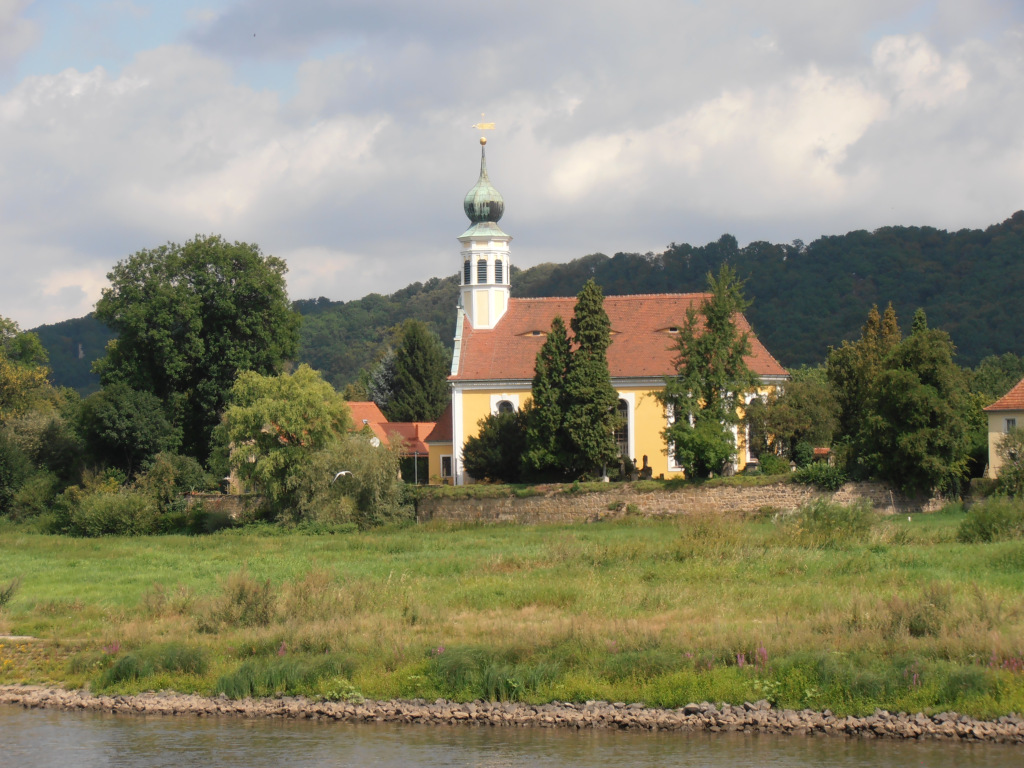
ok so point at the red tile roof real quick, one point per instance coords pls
(442, 431)
(411, 434)
(641, 344)
(367, 414)
(1011, 401)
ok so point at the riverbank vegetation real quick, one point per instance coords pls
(828, 608)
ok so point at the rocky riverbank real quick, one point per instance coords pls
(756, 717)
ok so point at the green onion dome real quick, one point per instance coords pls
(483, 202)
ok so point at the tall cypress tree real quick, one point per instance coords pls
(589, 407)
(546, 450)
(421, 376)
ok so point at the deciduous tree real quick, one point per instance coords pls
(189, 318)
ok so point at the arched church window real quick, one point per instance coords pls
(504, 406)
(466, 272)
(622, 431)
(481, 271)
(499, 276)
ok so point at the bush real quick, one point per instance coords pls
(112, 513)
(996, 519)
(6, 593)
(486, 675)
(771, 464)
(14, 468)
(35, 496)
(822, 476)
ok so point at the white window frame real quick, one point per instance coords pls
(495, 399)
(1009, 423)
(451, 466)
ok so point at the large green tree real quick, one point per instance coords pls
(546, 442)
(24, 374)
(915, 432)
(189, 318)
(712, 378)
(496, 452)
(589, 412)
(420, 383)
(793, 420)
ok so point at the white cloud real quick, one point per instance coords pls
(17, 33)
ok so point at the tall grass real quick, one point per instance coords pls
(827, 607)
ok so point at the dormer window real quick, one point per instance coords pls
(670, 329)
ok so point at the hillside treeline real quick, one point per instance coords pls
(806, 298)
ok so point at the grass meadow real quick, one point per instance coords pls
(828, 608)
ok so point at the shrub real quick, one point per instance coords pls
(117, 513)
(771, 464)
(825, 477)
(125, 669)
(14, 468)
(996, 519)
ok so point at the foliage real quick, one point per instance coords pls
(380, 386)
(420, 386)
(6, 593)
(853, 368)
(73, 346)
(121, 512)
(273, 424)
(712, 378)
(23, 372)
(996, 375)
(125, 428)
(823, 476)
(802, 413)
(14, 468)
(589, 409)
(372, 495)
(496, 452)
(546, 449)
(915, 427)
(169, 476)
(771, 464)
(995, 519)
(189, 318)
(1011, 451)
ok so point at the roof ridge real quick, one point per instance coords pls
(614, 296)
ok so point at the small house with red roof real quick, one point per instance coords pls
(498, 337)
(1004, 414)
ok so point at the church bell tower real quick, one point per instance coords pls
(485, 284)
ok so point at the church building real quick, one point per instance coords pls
(497, 339)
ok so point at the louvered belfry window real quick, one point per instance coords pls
(481, 271)
(499, 272)
(466, 272)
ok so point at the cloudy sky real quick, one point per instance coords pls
(336, 133)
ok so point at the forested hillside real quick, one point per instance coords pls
(73, 345)
(806, 297)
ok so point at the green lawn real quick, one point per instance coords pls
(896, 615)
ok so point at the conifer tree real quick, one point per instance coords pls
(420, 386)
(589, 411)
(546, 449)
(711, 378)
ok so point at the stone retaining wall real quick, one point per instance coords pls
(560, 506)
(757, 717)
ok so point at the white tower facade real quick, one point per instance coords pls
(485, 282)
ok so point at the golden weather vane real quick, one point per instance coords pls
(482, 126)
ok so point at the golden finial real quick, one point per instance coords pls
(482, 126)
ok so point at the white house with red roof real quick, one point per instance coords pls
(498, 338)
(1003, 415)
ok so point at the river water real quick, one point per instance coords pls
(49, 738)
